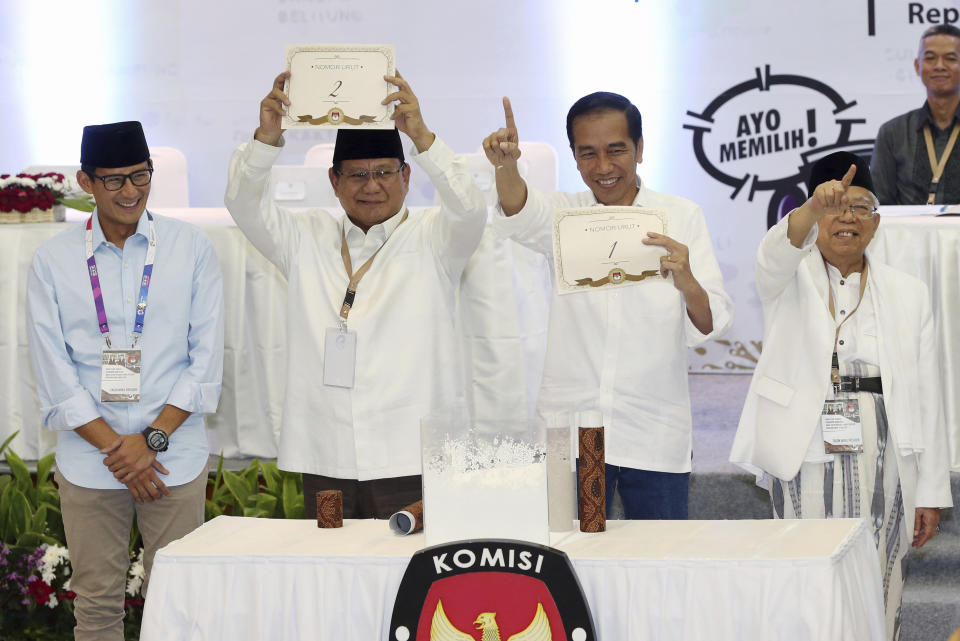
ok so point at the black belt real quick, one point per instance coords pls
(861, 384)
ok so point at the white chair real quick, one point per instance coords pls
(320, 155)
(170, 184)
(537, 165)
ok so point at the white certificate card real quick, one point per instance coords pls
(339, 86)
(599, 247)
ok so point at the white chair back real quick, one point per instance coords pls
(320, 155)
(170, 186)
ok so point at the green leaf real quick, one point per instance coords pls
(39, 521)
(44, 466)
(271, 475)
(55, 524)
(292, 498)
(19, 515)
(6, 527)
(238, 485)
(20, 471)
(256, 512)
(211, 510)
(267, 502)
(80, 204)
(252, 474)
(7, 442)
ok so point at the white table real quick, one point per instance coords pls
(237, 579)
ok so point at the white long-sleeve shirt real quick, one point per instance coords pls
(407, 355)
(624, 351)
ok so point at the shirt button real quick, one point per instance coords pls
(842, 312)
(129, 300)
(841, 341)
(842, 281)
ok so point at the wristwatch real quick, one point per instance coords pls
(157, 440)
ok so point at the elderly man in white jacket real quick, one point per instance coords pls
(843, 414)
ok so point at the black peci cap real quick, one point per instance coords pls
(362, 144)
(118, 144)
(834, 166)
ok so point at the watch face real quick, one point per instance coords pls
(157, 440)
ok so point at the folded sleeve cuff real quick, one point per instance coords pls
(74, 412)
(196, 398)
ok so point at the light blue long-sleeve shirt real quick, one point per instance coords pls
(182, 341)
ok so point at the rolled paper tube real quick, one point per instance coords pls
(329, 508)
(592, 477)
(561, 489)
(408, 519)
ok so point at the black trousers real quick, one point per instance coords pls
(373, 499)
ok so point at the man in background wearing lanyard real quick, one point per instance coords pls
(371, 301)
(915, 160)
(623, 352)
(125, 319)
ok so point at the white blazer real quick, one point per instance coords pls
(790, 383)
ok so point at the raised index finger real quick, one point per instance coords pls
(848, 177)
(508, 114)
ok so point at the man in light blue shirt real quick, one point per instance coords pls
(125, 319)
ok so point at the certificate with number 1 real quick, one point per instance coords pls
(599, 247)
(339, 86)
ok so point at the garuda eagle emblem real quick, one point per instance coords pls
(441, 629)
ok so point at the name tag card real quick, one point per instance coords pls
(339, 357)
(602, 247)
(120, 376)
(339, 86)
(842, 431)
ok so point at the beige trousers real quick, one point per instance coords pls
(97, 524)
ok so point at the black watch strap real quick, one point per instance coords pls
(157, 439)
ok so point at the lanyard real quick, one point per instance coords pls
(144, 283)
(355, 277)
(936, 166)
(835, 362)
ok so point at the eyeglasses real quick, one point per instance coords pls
(379, 175)
(115, 182)
(860, 210)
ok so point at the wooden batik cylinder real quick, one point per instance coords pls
(592, 474)
(330, 508)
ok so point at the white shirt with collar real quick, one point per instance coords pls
(624, 351)
(408, 359)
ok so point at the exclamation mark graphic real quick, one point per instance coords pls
(812, 126)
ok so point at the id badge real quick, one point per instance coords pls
(840, 421)
(339, 357)
(120, 376)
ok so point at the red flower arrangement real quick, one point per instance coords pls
(25, 192)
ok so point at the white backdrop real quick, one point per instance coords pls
(194, 72)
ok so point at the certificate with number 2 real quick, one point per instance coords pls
(339, 86)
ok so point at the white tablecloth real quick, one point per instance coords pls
(929, 248)
(240, 578)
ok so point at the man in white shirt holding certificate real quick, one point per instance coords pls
(370, 314)
(622, 351)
